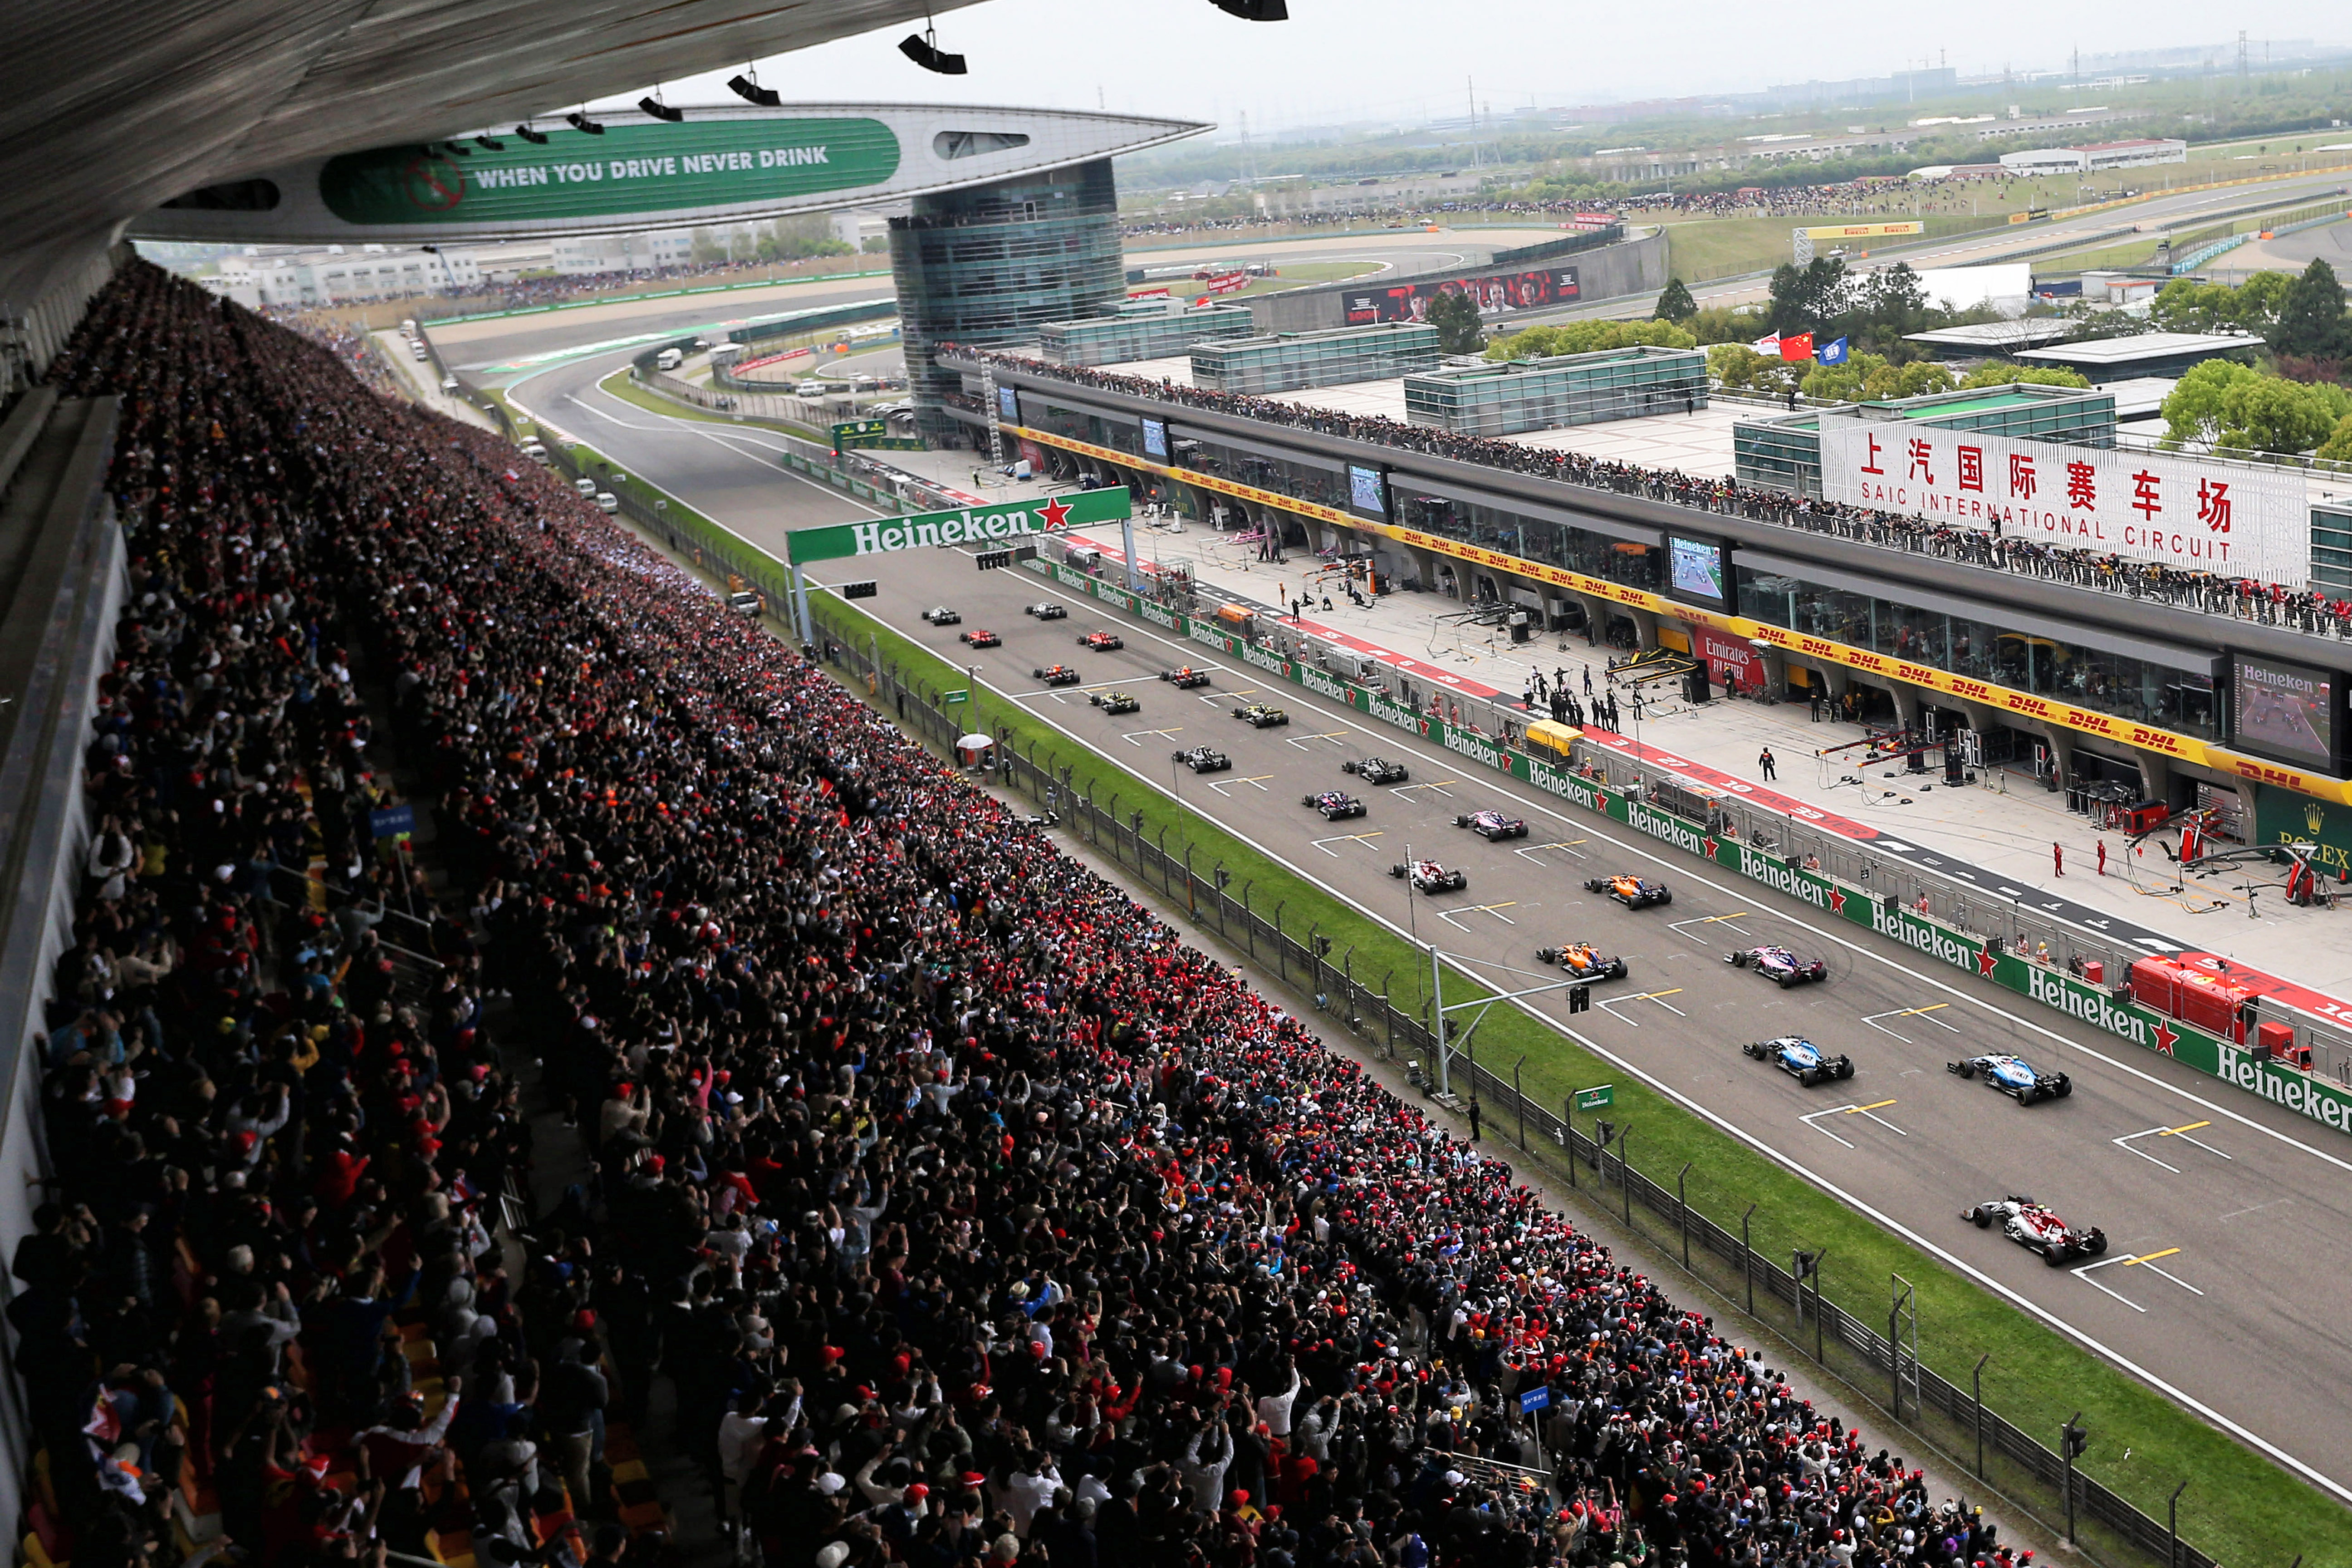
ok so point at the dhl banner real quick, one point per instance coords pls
(2000, 698)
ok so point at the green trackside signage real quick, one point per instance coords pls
(2124, 1020)
(871, 434)
(967, 525)
(2282, 817)
(630, 170)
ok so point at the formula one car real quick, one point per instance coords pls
(1334, 805)
(1492, 826)
(1429, 877)
(1630, 891)
(2014, 1076)
(1048, 611)
(1102, 642)
(1185, 677)
(1056, 675)
(1204, 760)
(981, 637)
(1799, 1058)
(1777, 964)
(2035, 1225)
(940, 615)
(1376, 771)
(1584, 961)
(1261, 715)
(1114, 701)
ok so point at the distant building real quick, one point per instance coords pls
(2097, 156)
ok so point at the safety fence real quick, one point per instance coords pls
(2008, 1458)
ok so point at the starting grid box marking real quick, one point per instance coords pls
(2138, 1261)
(2129, 1141)
(1451, 917)
(1927, 1013)
(1870, 1110)
(1725, 921)
(1325, 844)
(1566, 847)
(1335, 736)
(1611, 1005)
(1438, 785)
(1136, 738)
(1255, 781)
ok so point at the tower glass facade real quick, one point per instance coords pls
(992, 264)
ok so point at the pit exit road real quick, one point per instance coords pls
(2261, 1235)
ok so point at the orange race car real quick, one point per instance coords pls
(1630, 890)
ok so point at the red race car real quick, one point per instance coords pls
(979, 636)
(2037, 1226)
(1102, 642)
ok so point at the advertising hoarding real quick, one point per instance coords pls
(1495, 294)
(2193, 514)
(965, 525)
(628, 169)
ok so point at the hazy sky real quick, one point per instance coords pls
(1411, 59)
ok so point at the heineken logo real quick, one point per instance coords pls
(965, 525)
(1321, 682)
(1156, 615)
(1388, 711)
(1209, 635)
(1272, 662)
(1475, 747)
(1780, 876)
(1660, 824)
(2302, 1096)
(1922, 935)
(1565, 786)
(2095, 1008)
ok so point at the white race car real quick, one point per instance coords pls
(2034, 1225)
(1429, 877)
(1777, 964)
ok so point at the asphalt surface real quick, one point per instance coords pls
(2241, 1219)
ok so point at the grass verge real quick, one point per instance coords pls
(620, 386)
(2242, 1509)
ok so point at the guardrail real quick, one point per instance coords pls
(2005, 1454)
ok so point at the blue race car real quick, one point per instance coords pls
(1799, 1058)
(2014, 1076)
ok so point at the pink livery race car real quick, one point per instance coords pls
(1493, 826)
(1777, 964)
(1429, 877)
(2037, 1226)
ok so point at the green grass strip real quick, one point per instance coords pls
(2242, 1509)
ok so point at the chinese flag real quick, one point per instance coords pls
(1799, 347)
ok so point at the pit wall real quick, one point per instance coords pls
(1983, 957)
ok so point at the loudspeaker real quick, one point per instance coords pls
(921, 50)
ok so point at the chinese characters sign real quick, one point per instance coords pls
(2238, 521)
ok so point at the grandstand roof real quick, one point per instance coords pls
(109, 108)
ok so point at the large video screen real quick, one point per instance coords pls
(1008, 404)
(2286, 712)
(1155, 439)
(1494, 296)
(1367, 489)
(1695, 566)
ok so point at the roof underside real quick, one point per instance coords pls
(109, 108)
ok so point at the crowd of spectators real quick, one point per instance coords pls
(970, 1216)
(2212, 592)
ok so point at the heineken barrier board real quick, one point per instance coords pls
(966, 525)
(1983, 957)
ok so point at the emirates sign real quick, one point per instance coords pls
(2198, 515)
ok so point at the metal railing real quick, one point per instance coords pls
(1998, 1451)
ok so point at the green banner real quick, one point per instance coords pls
(629, 170)
(1983, 957)
(967, 525)
(1597, 1098)
(2284, 816)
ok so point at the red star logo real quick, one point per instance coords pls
(1600, 803)
(2165, 1036)
(1837, 899)
(1988, 961)
(1424, 728)
(1710, 847)
(1053, 511)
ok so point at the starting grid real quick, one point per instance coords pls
(1903, 1023)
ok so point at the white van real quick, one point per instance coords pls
(669, 359)
(584, 485)
(408, 329)
(416, 349)
(607, 501)
(536, 451)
